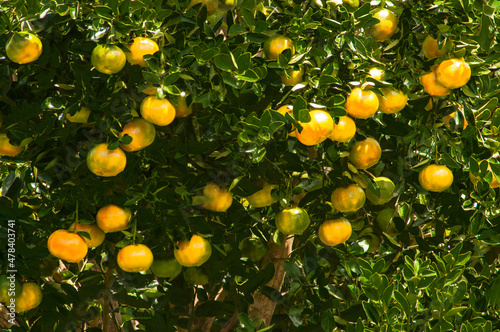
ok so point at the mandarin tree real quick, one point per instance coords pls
(192, 155)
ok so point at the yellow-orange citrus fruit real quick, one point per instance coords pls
(30, 298)
(7, 149)
(344, 130)
(166, 268)
(108, 59)
(195, 276)
(475, 179)
(447, 118)
(104, 162)
(182, 110)
(276, 44)
(435, 178)
(135, 258)
(288, 109)
(430, 48)
(112, 218)
(143, 134)
(348, 199)
(292, 221)
(81, 116)
(9, 284)
(161, 112)
(294, 77)
(365, 154)
(317, 130)
(96, 234)
(67, 246)
(361, 104)
(263, 197)
(219, 199)
(387, 26)
(432, 86)
(377, 73)
(23, 47)
(140, 47)
(335, 231)
(393, 100)
(453, 73)
(386, 189)
(194, 252)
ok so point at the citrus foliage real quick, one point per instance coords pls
(433, 266)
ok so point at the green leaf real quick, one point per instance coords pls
(371, 312)
(403, 302)
(327, 321)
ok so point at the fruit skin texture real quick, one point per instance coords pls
(140, 47)
(376, 73)
(494, 181)
(161, 112)
(365, 154)
(317, 130)
(394, 101)
(81, 116)
(67, 246)
(96, 234)
(195, 276)
(386, 187)
(112, 218)
(432, 86)
(135, 258)
(387, 26)
(361, 104)
(166, 268)
(143, 134)
(335, 231)
(104, 162)
(435, 178)
(108, 59)
(453, 73)
(5, 288)
(292, 221)
(253, 248)
(429, 48)
(295, 77)
(219, 200)
(30, 298)
(23, 47)
(194, 252)
(276, 44)
(385, 223)
(344, 130)
(262, 198)
(348, 199)
(7, 149)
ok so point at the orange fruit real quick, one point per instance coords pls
(447, 118)
(253, 248)
(335, 231)
(108, 59)
(276, 44)
(386, 189)
(387, 26)
(195, 276)
(67, 246)
(30, 298)
(263, 197)
(182, 110)
(361, 104)
(292, 221)
(81, 116)
(194, 252)
(143, 134)
(166, 268)
(494, 181)
(219, 199)
(385, 222)
(23, 47)
(317, 130)
(140, 47)
(365, 154)
(348, 199)
(453, 73)
(288, 109)
(112, 218)
(9, 285)
(96, 234)
(161, 112)
(376, 73)
(344, 130)
(393, 101)
(104, 162)
(432, 86)
(292, 77)
(7, 149)
(435, 178)
(134, 258)
(430, 48)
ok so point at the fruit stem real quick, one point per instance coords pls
(382, 4)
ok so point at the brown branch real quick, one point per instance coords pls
(230, 323)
